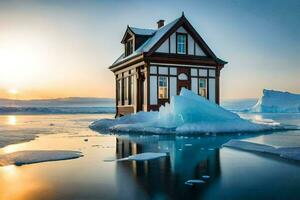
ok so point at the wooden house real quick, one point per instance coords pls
(157, 63)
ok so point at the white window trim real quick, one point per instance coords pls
(202, 88)
(183, 43)
(166, 88)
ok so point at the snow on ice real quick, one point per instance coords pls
(186, 113)
(292, 153)
(277, 102)
(29, 157)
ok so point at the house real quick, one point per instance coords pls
(157, 63)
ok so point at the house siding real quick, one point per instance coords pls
(141, 71)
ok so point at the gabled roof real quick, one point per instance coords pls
(142, 31)
(156, 37)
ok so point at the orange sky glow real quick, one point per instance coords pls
(52, 49)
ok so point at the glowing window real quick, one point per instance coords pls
(163, 87)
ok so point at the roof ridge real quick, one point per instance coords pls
(142, 28)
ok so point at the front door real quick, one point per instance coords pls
(183, 79)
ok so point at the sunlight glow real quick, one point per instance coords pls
(9, 170)
(13, 91)
(20, 60)
(10, 149)
(11, 120)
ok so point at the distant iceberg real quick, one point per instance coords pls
(277, 102)
(186, 113)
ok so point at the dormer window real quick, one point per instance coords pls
(128, 47)
(181, 42)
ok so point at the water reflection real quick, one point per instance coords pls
(11, 120)
(189, 158)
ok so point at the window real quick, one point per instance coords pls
(163, 70)
(131, 90)
(202, 72)
(128, 47)
(153, 70)
(163, 87)
(212, 72)
(173, 71)
(181, 43)
(194, 72)
(125, 89)
(202, 87)
(119, 92)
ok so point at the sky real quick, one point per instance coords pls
(52, 49)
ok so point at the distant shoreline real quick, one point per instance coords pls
(56, 110)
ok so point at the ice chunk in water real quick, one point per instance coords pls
(186, 113)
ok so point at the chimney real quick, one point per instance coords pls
(160, 23)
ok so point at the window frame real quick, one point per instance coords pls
(201, 88)
(119, 92)
(128, 47)
(125, 90)
(164, 88)
(130, 90)
(184, 44)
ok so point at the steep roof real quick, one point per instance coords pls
(156, 36)
(142, 31)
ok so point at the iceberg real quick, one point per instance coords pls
(186, 113)
(29, 157)
(277, 102)
(292, 153)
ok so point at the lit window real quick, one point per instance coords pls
(163, 87)
(181, 43)
(202, 87)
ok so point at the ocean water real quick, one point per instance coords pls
(232, 174)
(56, 110)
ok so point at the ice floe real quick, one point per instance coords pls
(29, 157)
(194, 182)
(141, 157)
(205, 177)
(186, 113)
(12, 137)
(285, 152)
(144, 156)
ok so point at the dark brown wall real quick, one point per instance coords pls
(139, 40)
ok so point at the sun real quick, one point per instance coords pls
(13, 91)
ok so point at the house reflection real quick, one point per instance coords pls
(165, 177)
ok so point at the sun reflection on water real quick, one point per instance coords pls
(10, 149)
(9, 170)
(12, 120)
